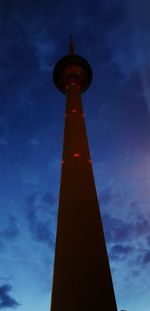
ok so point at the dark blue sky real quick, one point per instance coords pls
(114, 37)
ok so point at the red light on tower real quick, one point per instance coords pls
(76, 155)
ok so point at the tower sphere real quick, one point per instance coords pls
(72, 68)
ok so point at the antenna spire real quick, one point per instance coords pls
(71, 45)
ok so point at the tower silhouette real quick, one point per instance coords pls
(82, 278)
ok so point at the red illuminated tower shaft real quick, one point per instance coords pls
(82, 279)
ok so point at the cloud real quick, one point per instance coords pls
(30, 176)
(48, 198)
(107, 196)
(127, 233)
(148, 240)
(44, 50)
(6, 301)
(34, 141)
(128, 237)
(11, 231)
(116, 229)
(123, 230)
(39, 229)
(41, 222)
(146, 257)
(120, 251)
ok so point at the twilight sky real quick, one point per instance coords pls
(113, 35)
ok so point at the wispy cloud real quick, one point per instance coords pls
(30, 176)
(128, 237)
(34, 141)
(117, 230)
(41, 222)
(11, 231)
(146, 257)
(126, 230)
(44, 50)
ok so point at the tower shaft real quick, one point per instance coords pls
(82, 278)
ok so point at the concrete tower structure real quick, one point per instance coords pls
(82, 278)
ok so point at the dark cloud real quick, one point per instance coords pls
(120, 251)
(124, 230)
(6, 301)
(146, 257)
(116, 229)
(107, 196)
(40, 223)
(39, 229)
(148, 240)
(141, 226)
(48, 198)
(125, 235)
(12, 230)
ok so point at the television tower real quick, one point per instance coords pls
(82, 278)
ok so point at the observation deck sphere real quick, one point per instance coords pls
(72, 68)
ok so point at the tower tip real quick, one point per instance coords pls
(71, 45)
